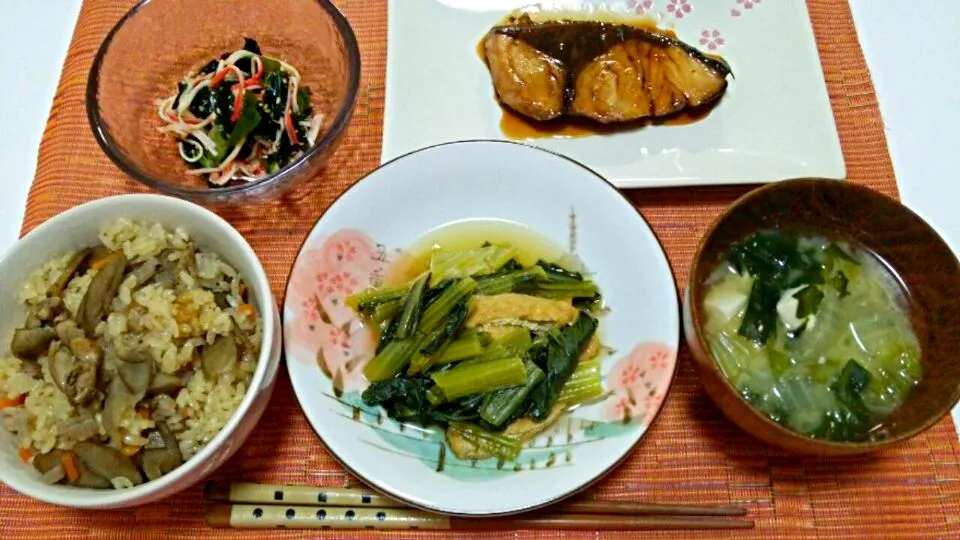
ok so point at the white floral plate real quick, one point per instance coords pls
(775, 121)
(366, 229)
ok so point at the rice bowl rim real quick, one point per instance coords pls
(79, 497)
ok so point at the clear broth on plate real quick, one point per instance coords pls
(472, 233)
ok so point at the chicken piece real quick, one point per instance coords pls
(75, 369)
(526, 79)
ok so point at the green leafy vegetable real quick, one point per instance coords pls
(434, 343)
(368, 300)
(390, 360)
(777, 263)
(403, 398)
(250, 44)
(429, 368)
(203, 103)
(808, 300)
(464, 380)
(249, 118)
(221, 102)
(270, 65)
(466, 346)
(209, 67)
(500, 406)
(303, 101)
(467, 263)
(840, 282)
(208, 160)
(562, 356)
(439, 310)
(443, 334)
(275, 95)
(584, 385)
(410, 314)
(851, 420)
(516, 342)
(487, 442)
(580, 289)
(557, 273)
(510, 281)
(410, 399)
(760, 318)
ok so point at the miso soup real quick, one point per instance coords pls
(813, 333)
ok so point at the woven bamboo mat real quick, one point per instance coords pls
(692, 454)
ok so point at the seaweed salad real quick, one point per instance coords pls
(241, 117)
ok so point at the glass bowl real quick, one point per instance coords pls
(159, 41)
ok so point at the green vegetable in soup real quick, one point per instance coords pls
(813, 334)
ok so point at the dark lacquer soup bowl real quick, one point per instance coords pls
(923, 268)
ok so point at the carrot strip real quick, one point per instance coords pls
(252, 81)
(246, 310)
(291, 131)
(25, 454)
(99, 263)
(70, 466)
(237, 106)
(8, 402)
(219, 76)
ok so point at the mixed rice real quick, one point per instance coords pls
(118, 379)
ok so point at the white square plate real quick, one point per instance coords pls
(774, 123)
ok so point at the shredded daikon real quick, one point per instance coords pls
(190, 159)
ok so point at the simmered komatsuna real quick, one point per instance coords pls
(487, 342)
(813, 333)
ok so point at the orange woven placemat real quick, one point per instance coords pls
(692, 454)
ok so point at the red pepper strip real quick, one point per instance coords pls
(248, 83)
(291, 131)
(253, 80)
(237, 107)
(219, 77)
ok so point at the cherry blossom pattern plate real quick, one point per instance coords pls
(775, 121)
(366, 230)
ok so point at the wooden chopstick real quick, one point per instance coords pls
(267, 506)
(339, 517)
(648, 509)
(244, 492)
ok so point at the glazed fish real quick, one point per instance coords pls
(603, 71)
